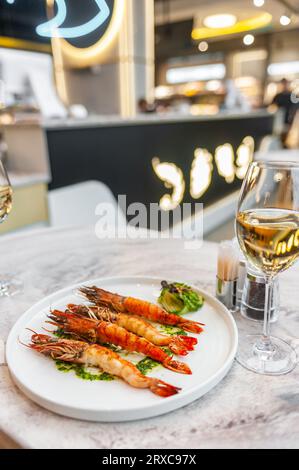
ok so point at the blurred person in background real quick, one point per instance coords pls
(145, 108)
(283, 100)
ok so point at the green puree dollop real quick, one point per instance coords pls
(179, 298)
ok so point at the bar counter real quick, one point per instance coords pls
(244, 410)
(150, 118)
(120, 153)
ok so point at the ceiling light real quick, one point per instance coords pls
(258, 3)
(285, 20)
(220, 21)
(203, 46)
(261, 20)
(248, 39)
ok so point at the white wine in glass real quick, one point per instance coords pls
(8, 285)
(267, 226)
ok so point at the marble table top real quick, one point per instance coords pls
(244, 410)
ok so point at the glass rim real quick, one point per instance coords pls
(291, 164)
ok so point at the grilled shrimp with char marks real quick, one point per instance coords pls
(94, 355)
(105, 332)
(139, 307)
(180, 344)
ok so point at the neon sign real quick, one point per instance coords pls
(52, 28)
(173, 177)
(202, 171)
(80, 57)
(110, 16)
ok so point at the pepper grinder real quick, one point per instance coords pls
(253, 298)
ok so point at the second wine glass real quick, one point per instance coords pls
(8, 284)
(267, 227)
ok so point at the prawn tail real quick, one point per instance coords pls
(177, 366)
(163, 389)
(181, 345)
(192, 326)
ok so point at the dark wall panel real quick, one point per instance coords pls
(121, 156)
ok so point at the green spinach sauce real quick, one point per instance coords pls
(82, 373)
(172, 330)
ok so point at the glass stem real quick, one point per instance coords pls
(267, 313)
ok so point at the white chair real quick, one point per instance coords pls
(270, 143)
(76, 204)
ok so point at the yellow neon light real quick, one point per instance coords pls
(257, 22)
(13, 43)
(87, 56)
(244, 156)
(173, 178)
(201, 173)
(224, 157)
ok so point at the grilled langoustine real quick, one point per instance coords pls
(179, 344)
(105, 332)
(139, 307)
(79, 352)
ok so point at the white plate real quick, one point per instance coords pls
(68, 395)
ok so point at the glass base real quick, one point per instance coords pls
(9, 286)
(279, 359)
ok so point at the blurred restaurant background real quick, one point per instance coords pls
(166, 101)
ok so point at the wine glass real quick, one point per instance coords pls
(8, 285)
(267, 226)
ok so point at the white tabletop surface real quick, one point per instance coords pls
(244, 410)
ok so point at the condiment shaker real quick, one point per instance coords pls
(253, 298)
